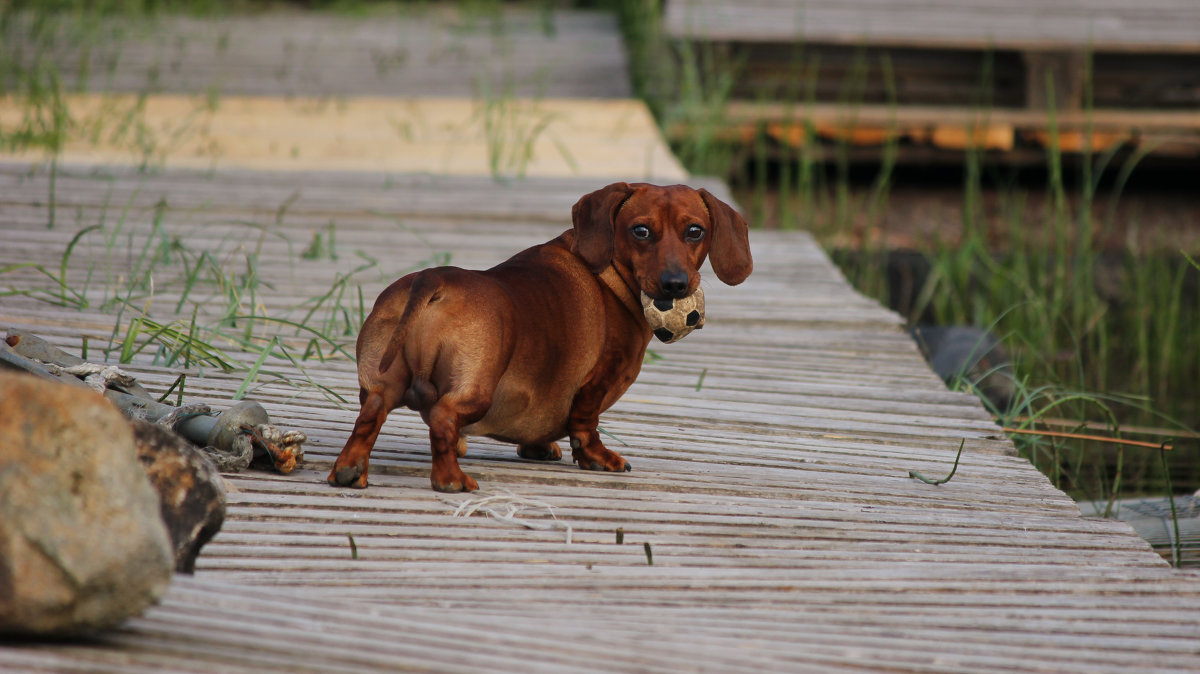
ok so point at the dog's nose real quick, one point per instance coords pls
(673, 283)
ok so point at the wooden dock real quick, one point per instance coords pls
(771, 454)
(769, 522)
(1017, 78)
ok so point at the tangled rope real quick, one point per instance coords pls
(286, 448)
(183, 413)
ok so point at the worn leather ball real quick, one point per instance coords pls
(672, 320)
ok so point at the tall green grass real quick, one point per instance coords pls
(183, 297)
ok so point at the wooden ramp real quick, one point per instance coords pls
(427, 89)
(770, 457)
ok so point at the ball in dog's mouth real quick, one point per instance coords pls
(672, 320)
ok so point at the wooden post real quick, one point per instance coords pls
(1066, 68)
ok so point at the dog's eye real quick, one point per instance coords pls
(693, 233)
(640, 232)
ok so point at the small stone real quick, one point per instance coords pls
(82, 541)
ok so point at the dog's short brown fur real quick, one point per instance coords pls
(537, 347)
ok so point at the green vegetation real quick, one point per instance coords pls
(949, 476)
(511, 127)
(51, 51)
(168, 274)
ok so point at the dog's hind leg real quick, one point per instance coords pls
(446, 419)
(350, 469)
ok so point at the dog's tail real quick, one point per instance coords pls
(422, 292)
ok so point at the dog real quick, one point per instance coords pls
(536, 348)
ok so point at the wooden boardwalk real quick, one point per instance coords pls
(770, 457)
(422, 49)
(1100, 25)
(417, 90)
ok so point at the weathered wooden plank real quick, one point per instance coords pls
(1168, 131)
(508, 139)
(912, 115)
(430, 52)
(1099, 25)
(347, 194)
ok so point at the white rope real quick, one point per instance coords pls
(512, 505)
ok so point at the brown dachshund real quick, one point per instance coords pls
(537, 347)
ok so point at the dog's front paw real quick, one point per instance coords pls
(596, 465)
(595, 456)
(453, 484)
(352, 475)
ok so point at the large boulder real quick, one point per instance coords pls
(82, 541)
(191, 491)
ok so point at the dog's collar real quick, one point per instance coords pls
(630, 297)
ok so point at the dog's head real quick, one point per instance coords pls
(663, 234)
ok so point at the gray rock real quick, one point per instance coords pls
(82, 541)
(190, 490)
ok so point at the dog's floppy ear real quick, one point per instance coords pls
(592, 217)
(730, 250)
